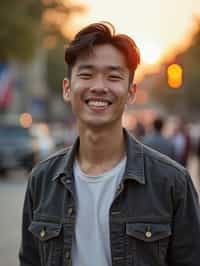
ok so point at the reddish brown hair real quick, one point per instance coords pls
(102, 33)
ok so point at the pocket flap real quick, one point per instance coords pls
(44, 230)
(148, 231)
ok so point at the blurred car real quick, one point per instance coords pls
(17, 148)
(43, 140)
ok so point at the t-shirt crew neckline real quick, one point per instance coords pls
(102, 177)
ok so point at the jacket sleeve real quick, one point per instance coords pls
(184, 248)
(29, 252)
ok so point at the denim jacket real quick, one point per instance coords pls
(154, 218)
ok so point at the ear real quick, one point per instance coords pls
(66, 90)
(132, 93)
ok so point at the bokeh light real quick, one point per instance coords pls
(26, 120)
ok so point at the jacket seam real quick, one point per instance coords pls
(163, 162)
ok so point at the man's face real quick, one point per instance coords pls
(99, 87)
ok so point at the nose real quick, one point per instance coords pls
(99, 86)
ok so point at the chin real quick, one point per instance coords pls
(97, 124)
(99, 121)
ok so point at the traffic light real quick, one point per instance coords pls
(175, 76)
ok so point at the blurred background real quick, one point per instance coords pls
(34, 120)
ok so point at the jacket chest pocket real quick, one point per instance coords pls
(150, 241)
(49, 241)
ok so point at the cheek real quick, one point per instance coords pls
(121, 92)
(79, 87)
(120, 87)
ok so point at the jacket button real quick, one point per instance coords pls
(42, 233)
(148, 234)
(67, 254)
(70, 210)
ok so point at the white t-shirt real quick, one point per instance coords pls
(94, 196)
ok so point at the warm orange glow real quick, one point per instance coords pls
(25, 120)
(175, 76)
(154, 25)
(150, 52)
(52, 17)
(50, 42)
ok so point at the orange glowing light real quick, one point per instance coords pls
(26, 120)
(175, 76)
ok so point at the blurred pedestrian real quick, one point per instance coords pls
(182, 143)
(138, 131)
(107, 200)
(157, 141)
(198, 155)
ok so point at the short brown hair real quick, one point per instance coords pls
(102, 33)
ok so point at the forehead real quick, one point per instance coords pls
(102, 56)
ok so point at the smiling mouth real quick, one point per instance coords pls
(98, 103)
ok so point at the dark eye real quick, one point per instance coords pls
(85, 75)
(114, 77)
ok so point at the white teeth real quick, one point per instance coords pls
(97, 103)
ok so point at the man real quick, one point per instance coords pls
(157, 141)
(197, 153)
(182, 143)
(107, 200)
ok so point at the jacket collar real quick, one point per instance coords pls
(134, 166)
(135, 159)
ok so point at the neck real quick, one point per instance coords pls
(100, 150)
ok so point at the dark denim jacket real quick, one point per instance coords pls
(154, 219)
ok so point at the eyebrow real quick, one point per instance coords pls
(109, 67)
(84, 67)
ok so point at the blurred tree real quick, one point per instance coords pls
(56, 69)
(186, 100)
(26, 25)
(191, 59)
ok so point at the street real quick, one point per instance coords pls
(12, 191)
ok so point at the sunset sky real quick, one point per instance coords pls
(156, 25)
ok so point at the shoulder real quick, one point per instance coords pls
(50, 167)
(152, 160)
(53, 158)
(162, 176)
(160, 167)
